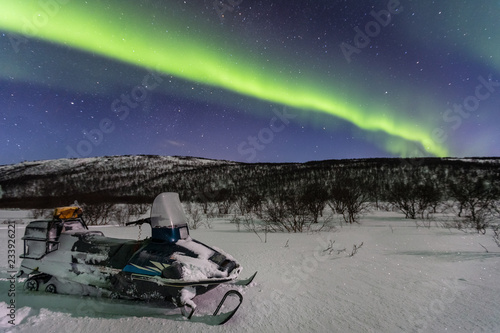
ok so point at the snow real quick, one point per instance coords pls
(403, 278)
(200, 268)
(43, 167)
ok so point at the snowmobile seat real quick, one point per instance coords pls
(116, 250)
(123, 254)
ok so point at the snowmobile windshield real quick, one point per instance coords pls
(168, 221)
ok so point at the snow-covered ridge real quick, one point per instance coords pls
(140, 178)
(45, 167)
(55, 166)
(98, 174)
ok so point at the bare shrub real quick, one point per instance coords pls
(211, 210)
(98, 214)
(355, 249)
(496, 235)
(194, 215)
(237, 221)
(251, 224)
(286, 212)
(330, 250)
(249, 203)
(41, 213)
(224, 201)
(12, 221)
(476, 197)
(415, 197)
(208, 223)
(313, 198)
(121, 214)
(349, 198)
(138, 209)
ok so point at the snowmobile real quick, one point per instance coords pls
(62, 255)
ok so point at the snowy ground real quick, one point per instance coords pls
(403, 279)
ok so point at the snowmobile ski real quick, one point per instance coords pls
(225, 317)
(216, 318)
(244, 282)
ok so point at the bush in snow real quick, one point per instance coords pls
(124, 213)
(285, 211)
(138, 209)
(348, 196)
(250, 202)
(121, 214)
(476, 197)
(41, 213)
(98, 214)
(254, 225)
(194, 215)
(415, 196)
(331, 250)
(496, 235)
(224, 202)
(314, 198)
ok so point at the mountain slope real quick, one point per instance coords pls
(140, 178)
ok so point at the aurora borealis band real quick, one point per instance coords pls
(209, 78)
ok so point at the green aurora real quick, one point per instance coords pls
(130, 38)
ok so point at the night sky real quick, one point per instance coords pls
(250, 81)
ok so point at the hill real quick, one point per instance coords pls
(137, 179)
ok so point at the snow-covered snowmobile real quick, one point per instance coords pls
(63, 256)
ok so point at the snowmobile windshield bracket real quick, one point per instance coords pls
(139, 222)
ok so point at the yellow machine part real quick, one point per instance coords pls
(67, 212)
